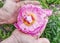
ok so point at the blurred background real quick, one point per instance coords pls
(52, 31)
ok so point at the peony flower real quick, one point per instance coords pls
(32, 19)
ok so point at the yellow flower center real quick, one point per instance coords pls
(29, 19)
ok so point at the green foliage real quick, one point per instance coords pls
(6, 30)
(43, 3)
(1, 4)
(47, 3)
(52, 31)
(51, 1)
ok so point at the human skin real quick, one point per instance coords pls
(10, 10)
(19, 37)
(8, 15)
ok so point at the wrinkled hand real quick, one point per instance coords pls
(8, 15)
(9, 12)
(19, 37)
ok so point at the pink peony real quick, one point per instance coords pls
(32, 19)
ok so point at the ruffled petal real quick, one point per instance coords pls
(34, 24)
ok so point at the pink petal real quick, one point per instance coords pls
(41, 22)
(48, 12)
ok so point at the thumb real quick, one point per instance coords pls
(13, 0)
(10, 6)
(43, 40)
(2, 23)
(28, 2)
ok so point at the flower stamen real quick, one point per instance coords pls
(29, 20)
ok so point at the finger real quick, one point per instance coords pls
(28, 2)
(21, 37)
(17, 0)
(43, 40)
(10, 6)
(10, 21)
(42, 30)
(3, 22)
(14, 0)
(32, 2)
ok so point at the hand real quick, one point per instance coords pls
(19, 37)
(8, 15)
(9, 12)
